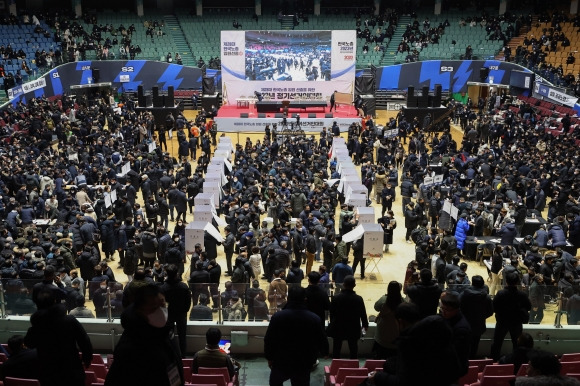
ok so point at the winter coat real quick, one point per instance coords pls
(149, 244)
(476, 306)
(556, 234)
(461, 232)
(508, 233)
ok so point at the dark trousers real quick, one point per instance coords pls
(352, 347)
(121, 256)
(229, 256)
(499, 334)
(180, 215)
(475, 338)
(355, 262)
(297, 377)
(180, 323)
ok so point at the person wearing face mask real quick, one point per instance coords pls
(145, 354)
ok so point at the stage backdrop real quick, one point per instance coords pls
(125, 75)
(287, 65)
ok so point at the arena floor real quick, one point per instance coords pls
(393, 264)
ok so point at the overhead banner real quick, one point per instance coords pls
(26, 88)
(287, 65)
(554, 94)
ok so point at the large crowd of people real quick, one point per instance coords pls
(69, 209)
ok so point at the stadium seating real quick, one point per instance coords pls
(337, 364)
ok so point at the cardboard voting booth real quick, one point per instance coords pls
(203, 213)
(366, 215)
(204, 198)
(194, 233)
(355, 200)
(356, 188)
(212, 187)
(213, 177)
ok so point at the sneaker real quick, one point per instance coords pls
(409, 241)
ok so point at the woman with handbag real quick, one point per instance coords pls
(387, 326)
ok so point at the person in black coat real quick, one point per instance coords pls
(145, 354)
(317, 301)
(347, 316)
(476, 306)
(512, 308)
(425, 294)
(57, 337)
(22, 363)
(291, 356)
(450, 311)
(181, 203)
(178, 295)
(210, 244)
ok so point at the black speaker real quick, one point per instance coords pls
(425, 91)
(208, 100)
(423, 101)
(328, 115)
(311, 115)
(438, 89)
(96, 75)
(244, 115)
(155, 92)
(483, 73)
(411, 101)
(170, 99)
(261, 115)
(208, 85)
(141, 96)
(370, 105)
(279, 115)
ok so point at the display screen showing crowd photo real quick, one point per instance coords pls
(288, 55)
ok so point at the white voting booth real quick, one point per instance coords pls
(204, 198)
(203, 213)
(356, 199)
(366, 215)
(207, 213)
(212, 187)
(194, 232)
(373, 244)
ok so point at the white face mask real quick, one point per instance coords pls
(103, 287)
(158, 318)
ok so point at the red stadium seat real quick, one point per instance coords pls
(497, 370)
(208, 379)
(572, 357)
(337, 364)
(9, 381)
(523, 370)
(569, 368)
(373, 364)
(498, 380)
(219, 370)
(480, 363)
(343, 373)
(352, 380)
(187, 374)
(470, 377)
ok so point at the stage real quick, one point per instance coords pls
(233, 118)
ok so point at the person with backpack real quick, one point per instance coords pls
(449, 245)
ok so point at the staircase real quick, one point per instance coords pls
(174, 29)
(389, 56)
(518, 40)
(287, 22)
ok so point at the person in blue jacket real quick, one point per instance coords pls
(461, 232)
